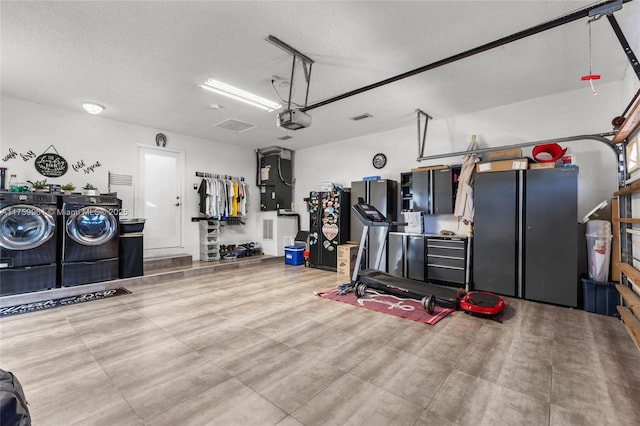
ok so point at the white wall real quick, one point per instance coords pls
(561, 115)
(79, 137)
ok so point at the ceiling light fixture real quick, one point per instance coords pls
(239, 95)
(92, 108)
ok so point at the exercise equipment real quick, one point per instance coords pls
(482, 303)
(429, 294)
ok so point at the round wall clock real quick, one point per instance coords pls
(379, 160)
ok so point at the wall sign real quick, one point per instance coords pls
(161, 140)
(51, 164)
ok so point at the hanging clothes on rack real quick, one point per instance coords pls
(213, 211)
(242, 191)
(229, 185)
(222, 199)
(205, 191)
(222, 196)
(234, 199)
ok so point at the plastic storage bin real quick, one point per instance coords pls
(598, 249)
(293, 255)
(599, 297)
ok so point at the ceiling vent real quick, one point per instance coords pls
(285, 137)
(361, 116)
(236, 126)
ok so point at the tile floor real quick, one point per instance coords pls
(254, 346)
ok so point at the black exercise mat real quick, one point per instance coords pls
(63, 301)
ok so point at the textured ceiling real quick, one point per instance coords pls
(142, 60)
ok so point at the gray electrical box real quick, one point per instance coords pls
(276, 180)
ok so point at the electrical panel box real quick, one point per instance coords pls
(276, 182)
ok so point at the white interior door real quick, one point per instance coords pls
(159, 196)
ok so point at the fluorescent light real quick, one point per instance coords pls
(239, 95)
(92, 108)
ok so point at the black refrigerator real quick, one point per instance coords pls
(328, 227)
(381, 194)
(525, 234)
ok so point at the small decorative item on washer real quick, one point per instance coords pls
(161, 140)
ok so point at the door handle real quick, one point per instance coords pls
(177, 204)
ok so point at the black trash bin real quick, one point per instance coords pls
(131, 253)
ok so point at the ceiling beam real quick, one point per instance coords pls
(571, 17)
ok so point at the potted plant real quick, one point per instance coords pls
(68, 188)
(40, 185)
(89, 189)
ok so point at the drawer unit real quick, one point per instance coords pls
(442, 251)
(446, 260)
(446, 275)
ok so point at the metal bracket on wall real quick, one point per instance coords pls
(422, 132)
(598, 138)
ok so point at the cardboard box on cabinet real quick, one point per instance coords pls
(503, 154)
(549, 165)
(503, 165)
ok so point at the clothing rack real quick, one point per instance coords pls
(222, 197)
(218, 176)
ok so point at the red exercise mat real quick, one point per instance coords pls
(391, 305)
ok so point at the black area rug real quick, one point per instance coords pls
(63, 301)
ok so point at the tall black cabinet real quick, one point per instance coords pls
(496, 232)
(525, 233)
(381, 194)
(550, 235)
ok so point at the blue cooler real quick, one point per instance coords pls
(294, 255)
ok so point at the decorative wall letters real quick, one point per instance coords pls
(52, 164)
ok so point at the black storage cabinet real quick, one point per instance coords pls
(433, 191)
(551, 253)
(525, 234)
(447, 261)
(406, 255)
(381, 194)
(131, 255)
(496, 232)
